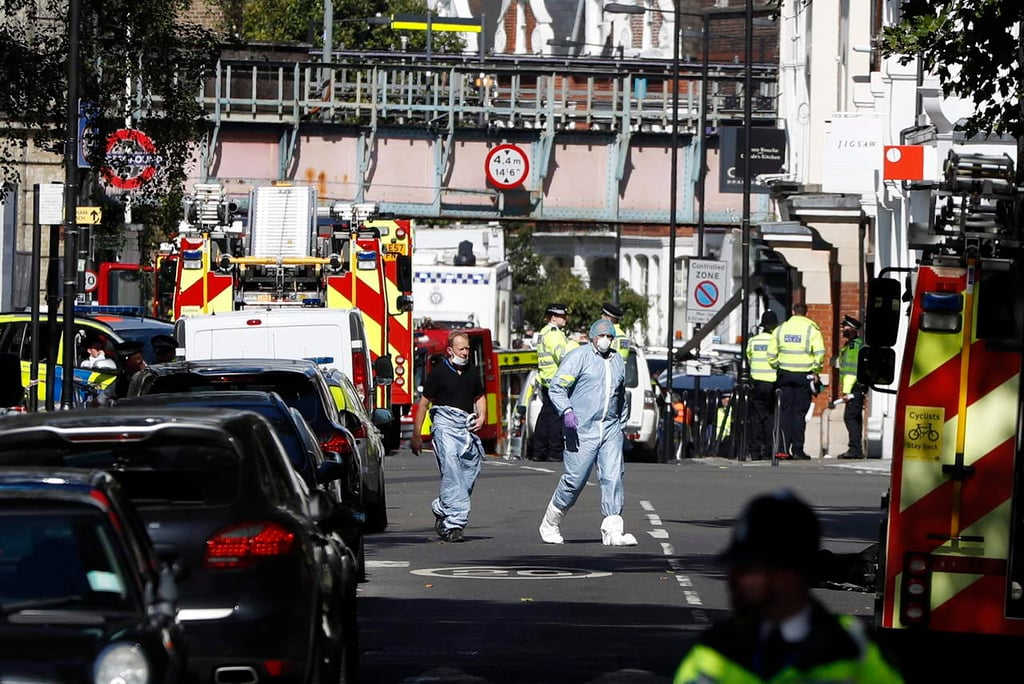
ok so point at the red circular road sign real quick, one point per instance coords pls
(706, 294)
(131, 159)
(507, 166)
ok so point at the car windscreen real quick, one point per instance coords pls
(62, 557)
(295, 389)
(143, 334)
(156, 472)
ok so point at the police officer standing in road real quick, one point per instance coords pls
(801, 354)
(779, 632)
(853, 392)
(763, 359)
(611, 312)
(552, 344)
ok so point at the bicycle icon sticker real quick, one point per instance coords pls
(923, 437)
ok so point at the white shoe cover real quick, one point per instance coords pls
(549, 531)
(612, 534)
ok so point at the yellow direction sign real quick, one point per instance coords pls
(88, 216)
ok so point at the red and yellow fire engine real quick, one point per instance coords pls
(951, 553)
(293, 252)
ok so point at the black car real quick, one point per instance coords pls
(83, 597)
(302, 385)
(265, 589)
(299, 442)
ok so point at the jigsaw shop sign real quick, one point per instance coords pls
(767, 155)
(131, 159)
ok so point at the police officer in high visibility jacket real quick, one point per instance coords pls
(778, 631)
(853, 392)
(763, 358)
(552, 344)
(611, 312)
(801, 354)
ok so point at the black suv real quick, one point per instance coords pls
(302, 385)
(265, 588)
(83, 596)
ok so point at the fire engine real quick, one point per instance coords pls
(292, 252)
(951, 558)
(502, 372)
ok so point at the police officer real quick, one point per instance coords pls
(129, 356)
(164, 347)
(552, 344)
(763, 358)
(611, 312)
(853, 392)
(801, 354)
(778, 631)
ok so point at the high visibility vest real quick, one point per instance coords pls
(801, 346)
(723, 422)
(763, 356)
(621, 343)
(551, 347)
(848, 364)
(683, 413)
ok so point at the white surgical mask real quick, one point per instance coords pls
(459, 361)
(604, 344)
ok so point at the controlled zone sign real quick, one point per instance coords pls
(705, 289)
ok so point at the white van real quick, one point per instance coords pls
(334, 338)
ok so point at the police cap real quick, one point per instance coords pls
(769, 320)
(129, 347)
(609, 309)
(777, 530)
(851, 322)
(557, 310)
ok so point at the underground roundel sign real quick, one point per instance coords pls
(507, 167)
(131, 159)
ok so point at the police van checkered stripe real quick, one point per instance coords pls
(458, 278)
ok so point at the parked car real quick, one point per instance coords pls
(641, 428)
(265, 589)
(83, 597)
(17, 333)
(367, 428)
(302, 385)
(299, 442)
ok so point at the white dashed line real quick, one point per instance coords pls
(690, 595)
(658, 534)
(654, 519)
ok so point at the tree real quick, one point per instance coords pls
(292, 20)
(141, 42)
(975, 50)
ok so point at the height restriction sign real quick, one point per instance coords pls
(705, 287)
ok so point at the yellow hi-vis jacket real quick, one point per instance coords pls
(551, 347)
(621, 343)
(763, 357)
(801, 346)
(848, 364)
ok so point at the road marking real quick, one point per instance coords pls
(654, 519)
(386, 564)
(675, 565)
(658, 534)
(668, 549)
(511, 573)
(647, 505)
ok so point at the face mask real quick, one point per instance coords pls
(604, 344)
(459, 361)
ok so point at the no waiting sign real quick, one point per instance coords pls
(705, 289)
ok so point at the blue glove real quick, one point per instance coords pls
(570, 420)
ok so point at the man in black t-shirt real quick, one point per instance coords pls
(454, 395)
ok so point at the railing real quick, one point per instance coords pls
(556, 93)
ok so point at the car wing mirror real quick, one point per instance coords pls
(383, 370)
(320, 507)
(329, 471)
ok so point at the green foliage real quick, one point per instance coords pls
(291, 20)
(974, 48)
(119, 40)
(526, 265)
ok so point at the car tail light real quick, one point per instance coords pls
(240, 546)
(648, 400)
(337, 443)
(360, 378)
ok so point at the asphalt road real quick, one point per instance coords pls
(504, 607)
